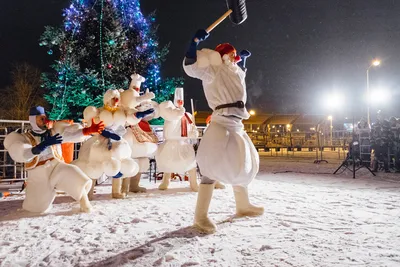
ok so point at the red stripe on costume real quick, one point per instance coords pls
(185, 120)
(184, 126)
(145, 126)
(188, 118)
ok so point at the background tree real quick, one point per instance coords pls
(24, 92)
(101, 43)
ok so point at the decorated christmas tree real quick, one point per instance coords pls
(101, 43)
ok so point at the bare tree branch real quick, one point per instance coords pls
(25, 92)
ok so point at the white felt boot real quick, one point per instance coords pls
(91, 192)
(85, 203)
(134, 187)
(201, 220)
(193, 180)
(165, 181)
(125, 185)
(116, 188)
(243, 206)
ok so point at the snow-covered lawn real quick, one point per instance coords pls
(312, 218)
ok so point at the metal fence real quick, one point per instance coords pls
(315, 153)
(11, 171)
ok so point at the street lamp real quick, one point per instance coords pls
(252, 113)
(374, 63)
(289, 129)
(331, 130)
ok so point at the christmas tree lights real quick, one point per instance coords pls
(101, 43)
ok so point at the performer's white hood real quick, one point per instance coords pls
(33, 112)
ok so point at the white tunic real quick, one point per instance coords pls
(141, 151)
(226, 152)
(222, 85)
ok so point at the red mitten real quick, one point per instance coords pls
(94, 128)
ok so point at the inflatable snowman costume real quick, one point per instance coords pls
(226, 152)
(139, 135)
(108, 153)
(176, 154)
(40, 150)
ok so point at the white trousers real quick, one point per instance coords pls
(43, 181)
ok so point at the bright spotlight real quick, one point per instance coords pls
(380, 96)
(333, 101)
(376, 62)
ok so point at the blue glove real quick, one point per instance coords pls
(142, 114)
(118, 175)
(110, 135)
(201, 35)
(49, 141)
(244, 54)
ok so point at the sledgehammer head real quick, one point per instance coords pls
(239, 12)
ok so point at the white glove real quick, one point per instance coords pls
(193, 134)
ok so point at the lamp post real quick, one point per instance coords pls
(289, 130)
(331, 129)
(252, 113)
(374, 63)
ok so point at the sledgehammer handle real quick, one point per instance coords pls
(215, 24)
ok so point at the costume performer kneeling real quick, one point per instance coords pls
(226, 152)
(40, 150)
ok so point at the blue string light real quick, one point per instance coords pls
(132, 17)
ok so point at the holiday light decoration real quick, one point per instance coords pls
(101, 43)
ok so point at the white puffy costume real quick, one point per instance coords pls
(102, 154)
(176, 154)
(139, 135)
(46, 169)
(226, 152)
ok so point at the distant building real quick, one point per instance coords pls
(291, 130)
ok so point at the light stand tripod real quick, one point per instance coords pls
(353, 155)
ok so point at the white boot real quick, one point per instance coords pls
(201, 220)
(243, 206)
(193, 180)
(125, 185)
(165, 181)
(85, 203)
(218, 185)
(134, 187)
(91, 192)
(116, 188)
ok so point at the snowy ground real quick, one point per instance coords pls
(312, 218)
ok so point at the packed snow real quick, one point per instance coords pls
(312, 218)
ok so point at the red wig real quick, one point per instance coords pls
(224, 49)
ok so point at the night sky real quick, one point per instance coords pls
(302, 49)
